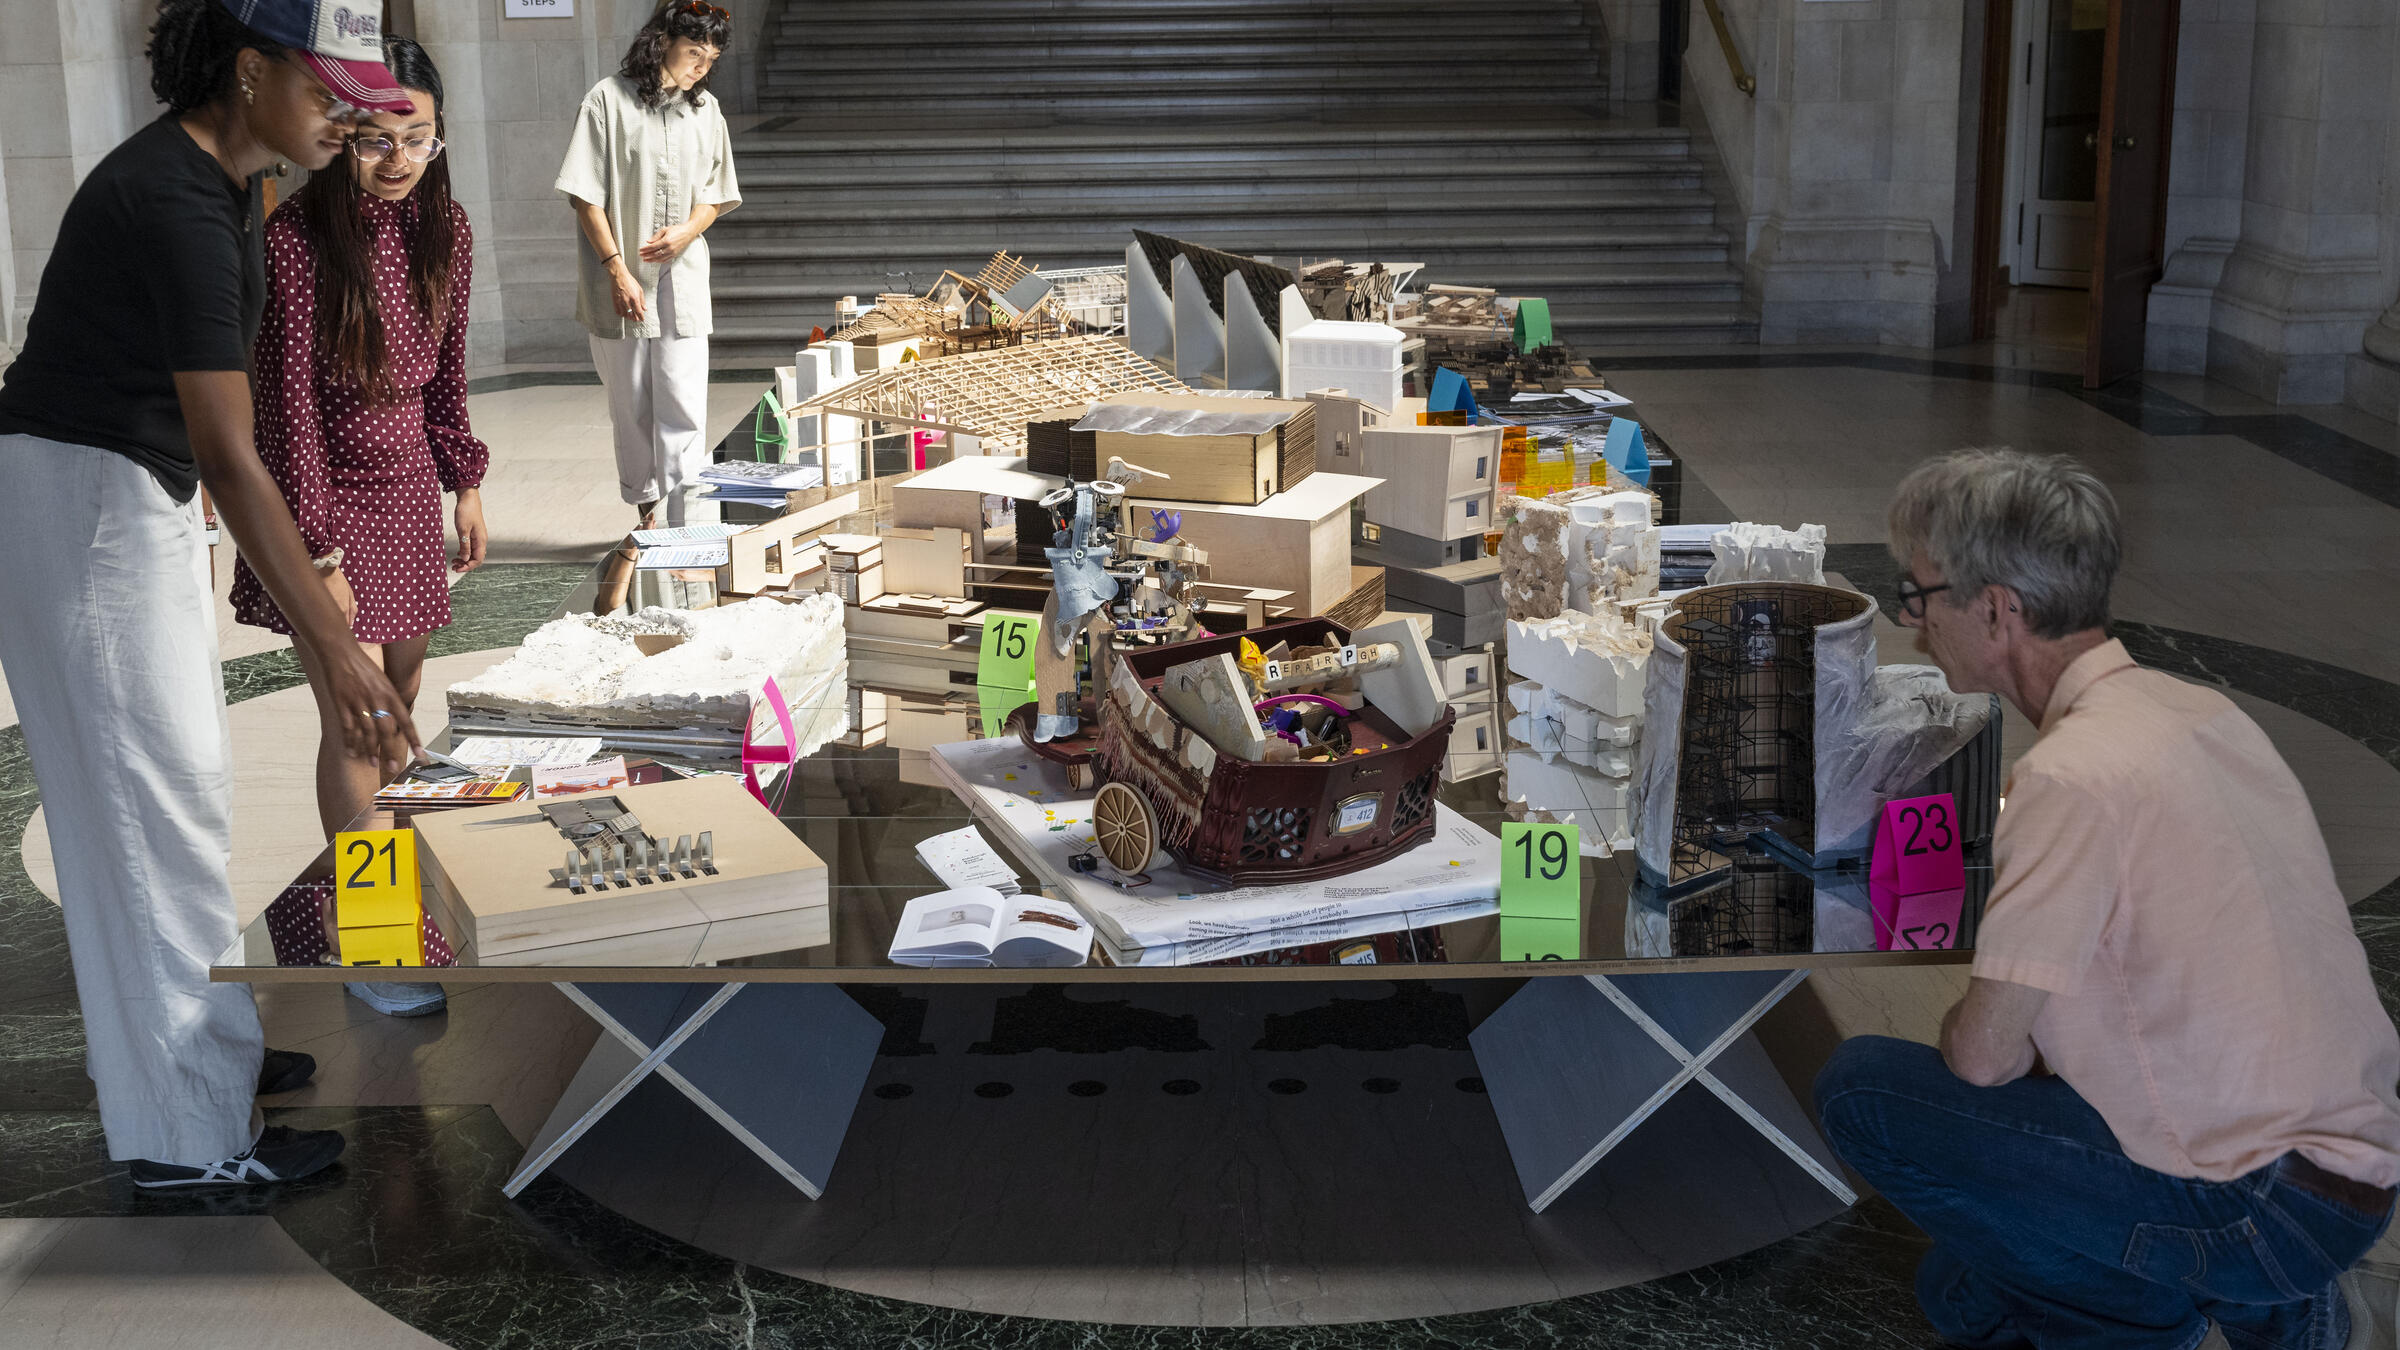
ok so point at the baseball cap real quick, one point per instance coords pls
(341, 40)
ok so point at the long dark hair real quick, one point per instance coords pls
(695, 19)
(192, 46)
(349, 323)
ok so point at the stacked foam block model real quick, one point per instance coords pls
(1579, 577)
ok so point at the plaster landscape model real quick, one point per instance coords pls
(683, 678)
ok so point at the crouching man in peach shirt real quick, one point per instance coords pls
(2215, 1139)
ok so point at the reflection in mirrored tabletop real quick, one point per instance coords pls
(864, 810)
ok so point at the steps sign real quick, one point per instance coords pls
(537, 9)
(1006, 657)
(1541, 872)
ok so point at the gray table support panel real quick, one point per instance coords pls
(779, 1066)
(1573, 1066)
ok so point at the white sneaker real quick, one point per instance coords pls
(394, 999)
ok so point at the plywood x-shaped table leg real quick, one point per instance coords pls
(1574, 1065)
(780, 1066)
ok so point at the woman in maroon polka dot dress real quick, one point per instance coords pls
(359, 376)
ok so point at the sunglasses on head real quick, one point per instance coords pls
(699, 8)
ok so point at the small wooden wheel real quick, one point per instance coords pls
(1126, 827)
(1080, 776)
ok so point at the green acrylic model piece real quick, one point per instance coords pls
(1533, 324)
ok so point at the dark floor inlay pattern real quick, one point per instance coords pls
(1046, 1018)
(902, 1015)
(1416, 1012)
(2308, 444)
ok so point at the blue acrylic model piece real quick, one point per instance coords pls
(1451, 394)
(1625, 452)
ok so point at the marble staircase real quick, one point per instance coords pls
(901, 137)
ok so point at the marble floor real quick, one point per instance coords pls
(2263, 556)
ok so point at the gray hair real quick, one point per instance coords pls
(2040, 525)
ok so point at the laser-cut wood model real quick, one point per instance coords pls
(601, 874)
(991, 395)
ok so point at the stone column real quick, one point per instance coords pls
(2304, 280)
(513, 88)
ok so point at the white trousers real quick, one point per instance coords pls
(658, 403)
(109, 638)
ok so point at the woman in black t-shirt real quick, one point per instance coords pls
(131, 390)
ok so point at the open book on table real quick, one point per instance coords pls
(978, 926)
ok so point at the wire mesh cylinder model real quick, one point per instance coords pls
(1740, 681)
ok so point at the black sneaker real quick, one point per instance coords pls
(281, 1154)
(285, 1071)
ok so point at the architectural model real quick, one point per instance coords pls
(606, 876)
(1296, 751)
(1747, 682)
(991, 395)
(1752, 552)
(666, 678)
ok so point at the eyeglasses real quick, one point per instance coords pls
(1912, 596)
(374, 149)
(696, 7)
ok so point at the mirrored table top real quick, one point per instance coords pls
(863, 811)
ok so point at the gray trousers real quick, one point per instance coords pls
(658, 407)
(108, 634)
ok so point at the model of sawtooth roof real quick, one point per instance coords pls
(1265, 280)
(992, 394)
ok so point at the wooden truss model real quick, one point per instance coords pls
(1008, 303)
(993, 394)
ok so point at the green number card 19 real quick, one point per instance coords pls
(1541, 872)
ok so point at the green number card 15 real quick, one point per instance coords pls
(1006, 657)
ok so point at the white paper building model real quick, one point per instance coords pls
(1751, 552)
(1576, 708)
(1597, 805)
(1597, 660)
(1612, 551)
(1553, 725)
(691, 693)
(1361, 359)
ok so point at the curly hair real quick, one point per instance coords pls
(697, 20)
(191, 51)
(349, 324)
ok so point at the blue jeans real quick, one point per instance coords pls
(2046, 1234)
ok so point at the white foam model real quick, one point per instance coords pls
(1554, 725)
(1597, 804)
(1612, 551)
(1746, 551)
(1597, 660)
(1363, 358)
(585, 670)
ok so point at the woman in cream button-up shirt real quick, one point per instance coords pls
(649, 169)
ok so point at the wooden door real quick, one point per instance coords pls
(2061, 48)
(2137, 93)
